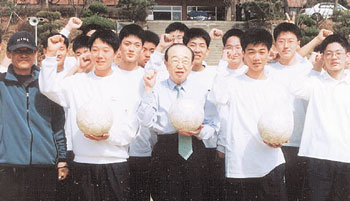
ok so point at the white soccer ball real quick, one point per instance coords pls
(186, 115)
(94, 118)
(276, 125)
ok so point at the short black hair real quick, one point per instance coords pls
(131, 29)
(232, 32)
(107, 36)
(150, 36)
(335, 38)
(177, 44)
(287, 27)
(176, 26)
(66, 42)
(80, 41)
(256, 36)
(196, 33)
(317, 48)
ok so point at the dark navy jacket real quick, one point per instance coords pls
(31, 125)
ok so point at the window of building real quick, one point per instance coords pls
(205, 13)
(165, 13)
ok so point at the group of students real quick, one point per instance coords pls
(138, 75)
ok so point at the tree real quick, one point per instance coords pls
(342, 23)
(231, 8)
(48, 24)
(135, 10)
(95, 14)
(264, 10)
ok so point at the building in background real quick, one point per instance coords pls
(188, 10)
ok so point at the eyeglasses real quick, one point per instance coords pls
(330, 54)
(23, 51)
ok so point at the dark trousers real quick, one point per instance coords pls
(295, 173)
(174, 178)
(28, 183)
(101, 182)
(268, 188)
(140, 168)
(327, 180)
(215, 176)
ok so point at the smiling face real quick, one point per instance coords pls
(255, 57)
(287, 44)
(179, 63)
(130, 49)
(22, 60)
(233, 45)
(199, 48)
(102, 55)
(334, 57)
(147, 49)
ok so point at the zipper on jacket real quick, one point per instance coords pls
(31, 133)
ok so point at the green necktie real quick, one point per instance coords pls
(185, 142)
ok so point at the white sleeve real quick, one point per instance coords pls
(55, 88)
(211, 121)
(156, 61)
(223, 115)
(222, 65)
(125, 132)
(65, 32)
(302, 87)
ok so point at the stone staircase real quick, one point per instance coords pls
(215, 46)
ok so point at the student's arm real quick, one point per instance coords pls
(216, 34)
(219, 95)
(156, 60)
(49, 83)
(211, 123)
(302, 87)
(73, 23)
(306, 49)
(125, 131)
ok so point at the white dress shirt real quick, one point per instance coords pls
(327, 129)
(116, 91)
(245, 100)
(154, 108)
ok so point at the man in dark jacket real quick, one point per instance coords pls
(32, 138)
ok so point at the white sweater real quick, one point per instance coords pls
(114, 91)
(245, 100)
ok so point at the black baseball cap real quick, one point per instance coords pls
(21, 39)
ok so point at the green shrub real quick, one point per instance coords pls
(104, 22)
(51, 16)
(342, 26)
(97, 8)
(87, 13)
(306, 20)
